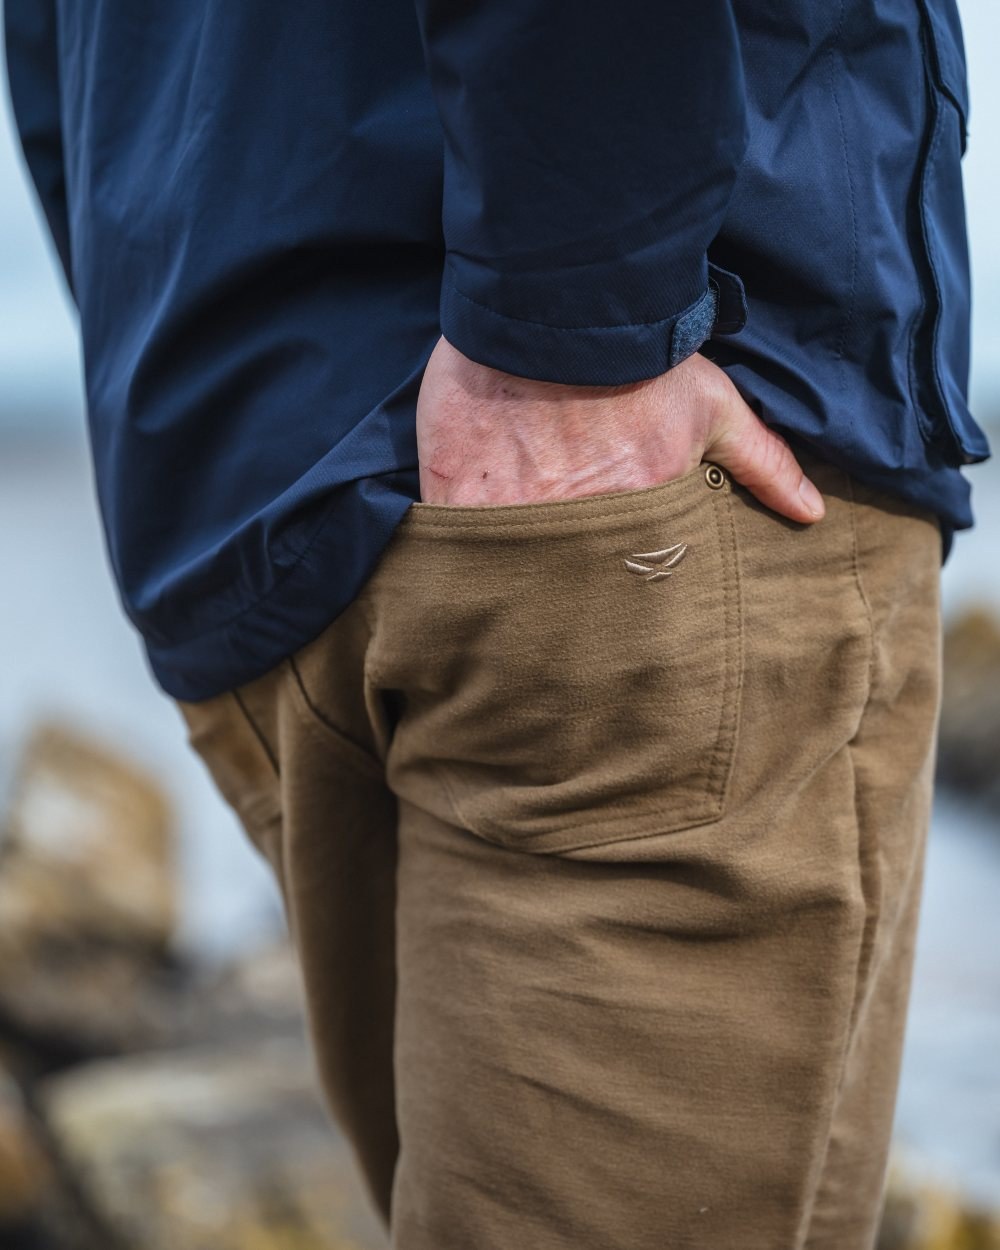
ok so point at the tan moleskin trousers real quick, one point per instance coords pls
(600, 827)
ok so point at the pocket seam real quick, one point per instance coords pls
(725, 749)
(313, 718)
(602, 508)
(548, 843)
(255, 730)
(650, 824)
(258, 809)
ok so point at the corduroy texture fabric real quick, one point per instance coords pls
(605, 884)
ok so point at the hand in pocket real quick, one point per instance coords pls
(486, 437)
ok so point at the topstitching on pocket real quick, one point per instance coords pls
(569, 672)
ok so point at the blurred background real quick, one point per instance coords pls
(149, 1018)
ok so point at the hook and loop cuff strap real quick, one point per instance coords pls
(721, 310)
(603, 355)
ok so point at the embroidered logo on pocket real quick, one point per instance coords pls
(654, 566)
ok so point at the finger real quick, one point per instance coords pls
(762, 461)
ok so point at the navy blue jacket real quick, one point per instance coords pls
(268, 213)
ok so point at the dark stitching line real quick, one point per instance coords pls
(859, 583)
(305, 694)
(920, 314)
(934, 262)
(717, 753)
(725, 748)
(491, 514)
(694, 819)
(807, 1215)
(849, 314)
(342, 738)
(496, 833)
(806, 1219)
(861, 970)
(257, 732)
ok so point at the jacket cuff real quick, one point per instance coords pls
(609, 355)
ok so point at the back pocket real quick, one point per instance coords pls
(565, 674)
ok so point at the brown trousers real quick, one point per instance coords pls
(600, 827)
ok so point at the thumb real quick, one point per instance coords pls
(762, 461)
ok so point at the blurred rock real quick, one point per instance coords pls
(226, 1147)
(63, 1000)
(969, 751)
(87, 903)
(38, 1211)
(89, 846)
(259, 996)
(24, 1169)
(255, 998)
(921, 1214)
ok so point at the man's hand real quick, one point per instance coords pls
(487, 437)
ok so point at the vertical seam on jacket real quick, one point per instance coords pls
(849, 311)
(925, 420)
(914, 208)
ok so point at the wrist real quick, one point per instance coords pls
(482, 384)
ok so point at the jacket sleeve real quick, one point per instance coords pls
(33, 79)
(590, 152)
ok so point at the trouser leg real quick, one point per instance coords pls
(311, 793)
(657, 1031)
(639, 976)
(893, 754)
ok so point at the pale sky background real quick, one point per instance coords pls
(39, 364)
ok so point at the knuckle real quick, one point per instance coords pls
(764, 460)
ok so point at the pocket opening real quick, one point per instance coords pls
(552, 515)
